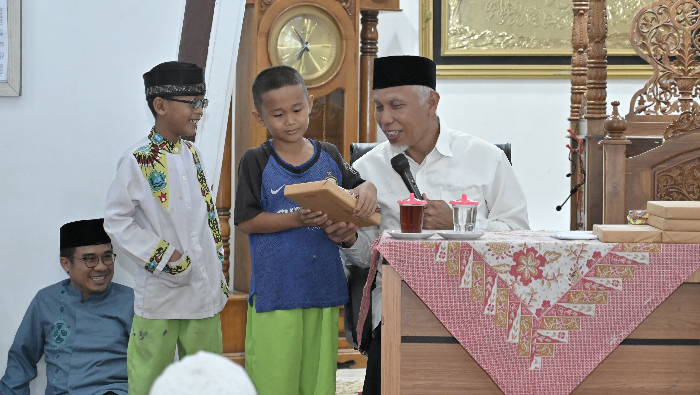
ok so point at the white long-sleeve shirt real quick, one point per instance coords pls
(159, 202)
(459, 163)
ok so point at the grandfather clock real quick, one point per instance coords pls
(320, 39)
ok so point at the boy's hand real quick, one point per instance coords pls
(175, 256)
(308, 218)
(367, 200)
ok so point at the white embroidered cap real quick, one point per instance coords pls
(203, 373)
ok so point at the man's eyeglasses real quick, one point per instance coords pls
(92, 260)
(194, 103)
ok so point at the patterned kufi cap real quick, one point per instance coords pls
(87, 232)
(174, 79)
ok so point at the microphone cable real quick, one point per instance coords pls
(573, 173)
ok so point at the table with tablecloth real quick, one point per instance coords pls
(538, 314)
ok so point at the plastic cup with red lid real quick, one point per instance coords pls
(464, 214)
(411, 214)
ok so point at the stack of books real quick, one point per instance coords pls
(679, 222)
(667, 222)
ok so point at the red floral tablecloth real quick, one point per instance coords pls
(537, 313)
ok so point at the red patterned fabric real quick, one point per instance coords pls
(539, 314)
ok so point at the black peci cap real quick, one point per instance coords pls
(84, 233)
(393, 71)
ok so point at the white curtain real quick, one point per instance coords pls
(220, 76)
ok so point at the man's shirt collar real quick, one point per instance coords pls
(444, 141)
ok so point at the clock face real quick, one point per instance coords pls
(309, 40)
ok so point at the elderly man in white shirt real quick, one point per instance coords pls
(445, 164)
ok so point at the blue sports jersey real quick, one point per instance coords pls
(300, 267)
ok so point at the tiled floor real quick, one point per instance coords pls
(349, 381)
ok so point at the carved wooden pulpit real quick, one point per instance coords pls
(663, 33)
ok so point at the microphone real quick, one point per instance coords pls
(400, 165)
(573, 190)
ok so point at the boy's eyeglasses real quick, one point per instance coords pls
(194, 103)
(92, 260)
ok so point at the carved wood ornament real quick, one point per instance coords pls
(597, 63)
(579, 58)
(687, 122)
(666, 34)
(615, 125)
(348, 5)
(680, 182)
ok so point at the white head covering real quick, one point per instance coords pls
(204, 373)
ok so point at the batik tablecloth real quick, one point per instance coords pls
(537, 313)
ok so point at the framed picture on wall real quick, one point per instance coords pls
(519, 38)
(10, 47)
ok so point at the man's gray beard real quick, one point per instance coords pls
(398, 149)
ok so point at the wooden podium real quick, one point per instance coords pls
(419, 356)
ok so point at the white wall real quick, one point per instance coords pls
(82, 105)
(529, 114)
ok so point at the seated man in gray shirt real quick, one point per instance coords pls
(81, 325)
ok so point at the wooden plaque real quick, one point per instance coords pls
(329, 198)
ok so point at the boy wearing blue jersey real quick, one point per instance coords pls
(297, 281)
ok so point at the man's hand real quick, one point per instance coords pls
(366, 200)
(341, 232)
(175, 256)
(437, 215)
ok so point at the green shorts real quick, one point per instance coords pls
(292, 352)
(152, 346)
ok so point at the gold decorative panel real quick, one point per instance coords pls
(525, 27)
(521, 38)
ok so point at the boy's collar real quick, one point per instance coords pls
(163, 143)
